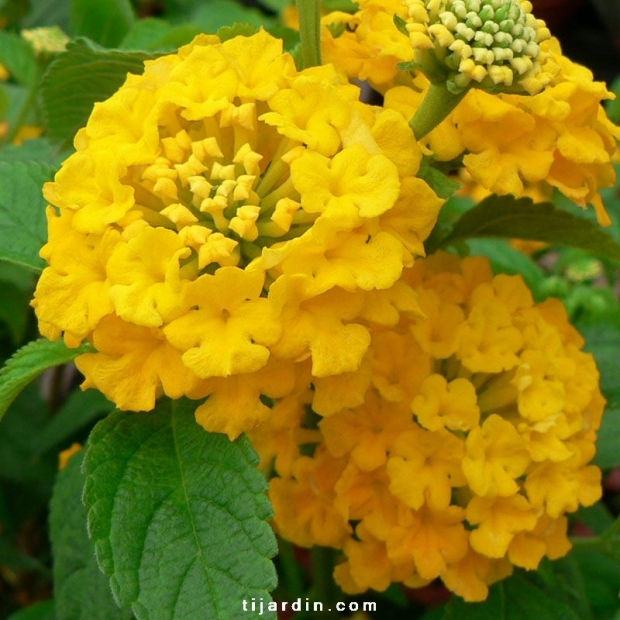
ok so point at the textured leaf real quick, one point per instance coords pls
(509, 217)
(23, 228)
(513, 599)
(28, 363)
(38, 149)
(84, 74)
(103, 21)
(82, 591)
(178, 516)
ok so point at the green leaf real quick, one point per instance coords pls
(29, 362)
(17, 55)
(603, 341)
(84, 74)
(37, 149)
(236, 30)
(178, 515)
(601, 576)
(509, 217)
(82, 591)
(23, 228)
(44, 610)
(215, 14)
(401, 25)
(515, 598)
(442, 184)
(31, 476)
(152, 34)
(597, 517)
(78, 413)
(48, 13)
(104, 21)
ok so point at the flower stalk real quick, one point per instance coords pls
(436, 106)
(309, 33)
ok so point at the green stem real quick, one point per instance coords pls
(28, 103)
(437, 104)
(324, 588)
(291, 570)
(309, 33)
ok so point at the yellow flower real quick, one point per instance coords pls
(229, 213)
(560, 136)
(366, 45)
(306, 502)
(456, 450)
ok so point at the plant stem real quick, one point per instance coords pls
(324, 588)
(291, 571)
(437, 104)
(309, 33)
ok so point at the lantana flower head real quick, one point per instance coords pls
(224, 218)
(489, 44)
(461, 458)
(559, 137)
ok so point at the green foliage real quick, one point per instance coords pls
(22, 212)
(178, 515)
(153, 34)
(28, 363)
(603, 340)
(82, 591)
(104, 21)
(512, 218)
(76, 416)
(77, 79)
(16, 283)
(218, 13)
(514, 599)
(44, 610)
(17, 55)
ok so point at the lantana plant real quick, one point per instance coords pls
(286, 263)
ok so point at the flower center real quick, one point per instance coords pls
(223, 183)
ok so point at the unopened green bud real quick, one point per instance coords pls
(489, 44)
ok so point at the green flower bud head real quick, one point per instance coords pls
(46, 40)
(489, 44)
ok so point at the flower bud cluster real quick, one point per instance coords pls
(491, 44)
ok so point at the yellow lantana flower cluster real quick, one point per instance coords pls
(224, 218)
(455, 451)
(560, 137)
